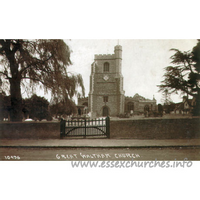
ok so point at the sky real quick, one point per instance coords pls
(143, 61)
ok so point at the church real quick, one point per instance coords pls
(107, 96)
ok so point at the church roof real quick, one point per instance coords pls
(138, 97)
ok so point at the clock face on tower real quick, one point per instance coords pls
(106, 77)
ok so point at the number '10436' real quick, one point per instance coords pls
(12, 157)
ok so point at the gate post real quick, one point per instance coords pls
(62, 126)
(108, 126)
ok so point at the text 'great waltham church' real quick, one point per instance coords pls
(106, 96)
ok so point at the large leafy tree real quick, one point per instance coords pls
(63, 109)
(33, 63)
(36, 107)
(184, 75)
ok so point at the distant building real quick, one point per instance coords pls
(185, 107)
(82, 106)
(137, 104)
(106, 96)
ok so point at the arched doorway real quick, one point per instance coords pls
(105, 111)
(146, 108)
(130, 107)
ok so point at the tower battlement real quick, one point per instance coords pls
(104, 56)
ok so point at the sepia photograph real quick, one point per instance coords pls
(99, 100)
(106, 99)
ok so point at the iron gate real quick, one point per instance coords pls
(85, 127)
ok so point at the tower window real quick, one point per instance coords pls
(106, 67)
(105, 99)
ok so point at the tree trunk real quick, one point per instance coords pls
(16, 99)
(15, 89)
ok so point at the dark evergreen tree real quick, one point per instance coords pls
(184, 75)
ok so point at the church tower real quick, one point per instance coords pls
(106, 96)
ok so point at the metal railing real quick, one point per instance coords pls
(85, 127)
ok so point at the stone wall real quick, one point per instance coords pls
(112, 101)
(30, 130)
(125, 129)
(155, 129)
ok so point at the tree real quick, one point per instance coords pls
(184, 75)
(36, 108)
(33, 63)
(168, 104)
(62, 108)
(166, 97)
